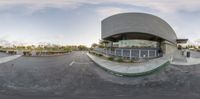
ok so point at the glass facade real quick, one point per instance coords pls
(136, 43)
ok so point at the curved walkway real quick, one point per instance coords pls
(130, 69)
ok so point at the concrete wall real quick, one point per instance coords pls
(168, 47)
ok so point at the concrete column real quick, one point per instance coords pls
(122, 52)
(115, 53)
(139, 53)
(130, 56)
(155, 53)
(148, 53)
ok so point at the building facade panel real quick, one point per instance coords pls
(137, 23)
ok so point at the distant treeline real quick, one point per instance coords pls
(47, 48)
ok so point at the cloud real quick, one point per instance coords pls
(36, 5)
(166, 9)
(108, 11)
(40, 3)
(160, 5)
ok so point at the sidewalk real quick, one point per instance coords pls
(8, 58)
(130, 69)
(190, 61)
(179, 59)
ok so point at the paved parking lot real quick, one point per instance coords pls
(75, 76)
(3, 54)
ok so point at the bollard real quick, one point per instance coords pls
(188, 54)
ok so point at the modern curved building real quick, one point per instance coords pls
(139, 31)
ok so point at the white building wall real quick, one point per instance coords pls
(168, 47)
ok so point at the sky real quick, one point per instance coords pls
(75, 22)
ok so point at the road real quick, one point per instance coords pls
(75, 76)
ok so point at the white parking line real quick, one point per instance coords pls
(71, 63)
(82, 63)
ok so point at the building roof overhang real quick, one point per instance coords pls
(181, 41)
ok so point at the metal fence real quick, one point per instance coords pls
(131, 53)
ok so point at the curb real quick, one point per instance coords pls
(131, 74)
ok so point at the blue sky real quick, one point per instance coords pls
(75, 22)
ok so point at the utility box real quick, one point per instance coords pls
(188, 54)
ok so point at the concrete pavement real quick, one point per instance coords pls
(3, 54)
(194, 59)
(190, 61)
(55, 78)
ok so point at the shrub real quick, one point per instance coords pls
(119, 60)
(93, 53)
(98, 54)
(110, 58)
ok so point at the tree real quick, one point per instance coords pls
(103, 43)
(180, 47)
(40, 47)
(29, 47)
(33, 46)
(82, 47)
(21, 47)
(94, 45)
(67, 48)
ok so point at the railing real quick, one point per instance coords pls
(131, 53)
